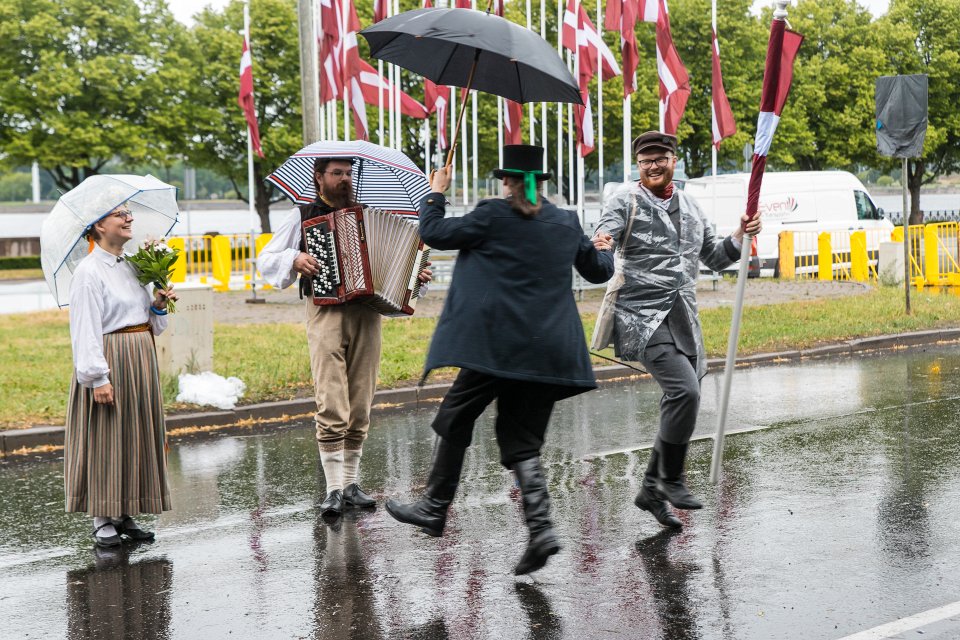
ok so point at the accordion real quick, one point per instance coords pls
(368, 255)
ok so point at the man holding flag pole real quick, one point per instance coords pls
(665, 236)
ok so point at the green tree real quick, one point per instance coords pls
(923, 38)
(218, 131)
(83, 82)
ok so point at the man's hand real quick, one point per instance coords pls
(603, 241)
(162, 296)
(104, 394)
(440, 179)
(306, 265)
(751, 227)
(426, 274)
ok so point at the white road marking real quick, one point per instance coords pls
(907, 624)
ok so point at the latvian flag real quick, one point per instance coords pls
(674, 81)
(777, 77)
(245, 97)
(724, 125)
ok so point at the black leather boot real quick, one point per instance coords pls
(430, 512)
(354, 496)
(670, 484)
(536, 509)
(650, 499)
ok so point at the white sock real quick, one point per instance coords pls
(332, 462)
(107, 531)
(351, 466)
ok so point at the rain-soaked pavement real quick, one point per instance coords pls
(837, 515)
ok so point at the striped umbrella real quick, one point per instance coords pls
(382, 178)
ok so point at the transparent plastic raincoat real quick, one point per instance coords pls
(657, 270)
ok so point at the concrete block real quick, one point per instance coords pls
(187, 344)
(890, 263)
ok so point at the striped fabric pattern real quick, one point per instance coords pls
(114, 457)
(383, 178)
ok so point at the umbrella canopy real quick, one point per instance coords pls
(382, 178)
(62, 245)
(444, 44)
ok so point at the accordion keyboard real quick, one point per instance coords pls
(320, 244)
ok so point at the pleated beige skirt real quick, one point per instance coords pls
(114, 456)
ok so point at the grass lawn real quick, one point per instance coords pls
(35, 356)
(21, 274)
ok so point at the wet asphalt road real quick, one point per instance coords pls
(839, 514)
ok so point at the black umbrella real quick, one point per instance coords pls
(474, 50)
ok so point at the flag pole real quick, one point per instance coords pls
(532, 124)
(543, 105)
(599, 100)
(560, 105)
(380, 102)
(343, 70)
(474, 146)
(627, 116)
(779, 13)
(713, 112)
(251, 187)
(499, 131)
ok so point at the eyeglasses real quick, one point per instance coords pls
(124, 214)
(339, 174)
(660, 162)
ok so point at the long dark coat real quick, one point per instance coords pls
(510, 310)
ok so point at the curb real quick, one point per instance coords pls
(389, 401)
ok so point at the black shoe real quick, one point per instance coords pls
(133, 533)
(430, 512)
(657, 506)
(333, 505)
(354, 496)
(536, 509)
(670, 484)
(106, 541)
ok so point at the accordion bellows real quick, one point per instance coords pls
(369, 255)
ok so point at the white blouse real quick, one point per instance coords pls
(105, 296)
(275, 261)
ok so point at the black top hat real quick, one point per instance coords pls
(654, 140)
(521, 159)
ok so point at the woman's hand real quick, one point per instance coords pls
(103, 394)
(440, 179)
(162, 296)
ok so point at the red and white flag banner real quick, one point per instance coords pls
(513, 123)
(379, 10)
(370, 84)
(724, 124)
(674, 81)
(245, 97)
(777, 77)
(621, 15)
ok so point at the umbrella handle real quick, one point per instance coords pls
(463, 106)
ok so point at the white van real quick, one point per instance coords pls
(796, 201)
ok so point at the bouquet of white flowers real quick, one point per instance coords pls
(154, 263)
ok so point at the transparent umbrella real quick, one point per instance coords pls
(62, 245)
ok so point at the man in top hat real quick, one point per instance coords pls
(656, 321)
(344, 341)
(511, 324)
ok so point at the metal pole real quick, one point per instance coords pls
(380, 102)
(599, 100)
(251, 186)
(543, 105)
(499, 131)
(309, 73)
(560, 106)
(906, 237)
(532, 121)
(35, 181)
(731, 360)
(475, 146)
(627, 161)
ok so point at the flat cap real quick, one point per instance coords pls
(654, 140)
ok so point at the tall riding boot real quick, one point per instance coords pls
(536, 509)
(670, 484)
(430, 512)
(650, 499)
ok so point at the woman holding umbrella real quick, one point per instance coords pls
(114, 457)
(511, 324)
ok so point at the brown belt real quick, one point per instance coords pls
(137, 328)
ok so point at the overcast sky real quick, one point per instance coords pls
(185, 9)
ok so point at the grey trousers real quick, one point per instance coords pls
(676, 373)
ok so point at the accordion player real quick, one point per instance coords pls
(368, 255)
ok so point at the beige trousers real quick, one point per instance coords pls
(344, 344)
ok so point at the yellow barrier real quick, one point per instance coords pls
(824, 257)
(941, 244)
(916, 250)
(180, 266)
(859, 258)
(222, 262)
(787, 259)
